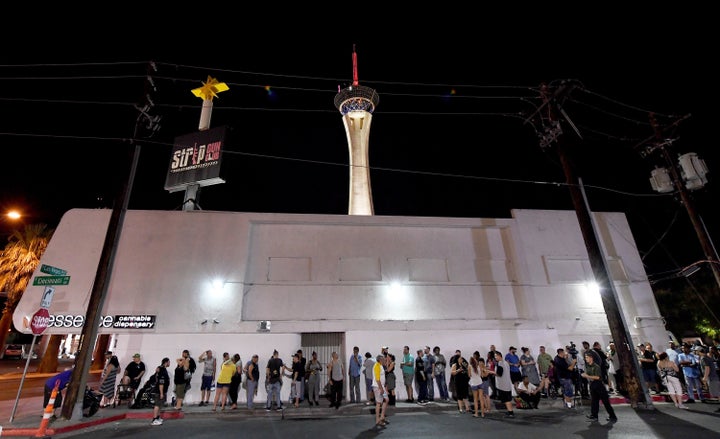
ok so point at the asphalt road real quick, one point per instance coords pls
(664, 422)
(11, 372)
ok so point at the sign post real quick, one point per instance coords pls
(38, 324)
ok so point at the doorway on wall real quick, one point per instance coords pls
(324, 343)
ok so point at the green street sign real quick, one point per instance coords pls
(49, 269)
(51, 280)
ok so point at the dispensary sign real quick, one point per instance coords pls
(140, 321)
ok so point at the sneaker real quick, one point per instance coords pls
(267, 409)
(568, 405)
(201, 404)
(591, 418)
(510, 415)
(682, 406)
(157, 421)
(611, 419)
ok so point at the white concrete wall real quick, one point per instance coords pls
(464, 283)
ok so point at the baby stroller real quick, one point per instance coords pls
(124, 393)
(91, 402)
(146, 395)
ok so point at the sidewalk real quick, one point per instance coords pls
(29, 413)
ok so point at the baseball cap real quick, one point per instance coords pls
(136, 355)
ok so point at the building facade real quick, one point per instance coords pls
(254, 282)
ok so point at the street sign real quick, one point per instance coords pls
(40, 321)
(47, 297)
(51, 280)
(49, 269)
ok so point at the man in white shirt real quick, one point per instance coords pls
(528, 392)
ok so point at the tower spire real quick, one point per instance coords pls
(355, 73)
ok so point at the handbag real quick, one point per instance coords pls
(188, 375)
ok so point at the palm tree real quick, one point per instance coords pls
(18, 261)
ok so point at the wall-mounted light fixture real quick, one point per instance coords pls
(204, 322)
(263, 326)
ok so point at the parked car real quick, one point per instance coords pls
(14, 351)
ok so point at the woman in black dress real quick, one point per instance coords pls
(462, 383)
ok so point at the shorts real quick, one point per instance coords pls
(408, 378)
(650, 375)
(207, 382)
(380, 394)
(476, 388)
(515, 376)
(180, 391)
(504, 395)
(568, 390)
(222, 385)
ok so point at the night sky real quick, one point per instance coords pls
(453, 135)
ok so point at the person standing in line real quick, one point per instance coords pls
(303, 362)
(504, 383)
(390, 378)
(354, 372)
(192, 366)
(462, 382)
(252, 377)
(429, 362)
(273, 381)
(162, 383)
(368, 374)
(490, 364)
(648, 362)
(475, 382)
(223, 382)
(312, 371)
(208, 376)
(668, 372)
(235, 381)
(439, 372)
(408, 371)
(298, 373)
(708, 372)
(529, 366)
(180, 381)
(420, 378)
(512, 359)
(598, 392)
(691, 369)
(380, 391)
(485, 374)
(109, 376)
(612, 361)
(336, 375)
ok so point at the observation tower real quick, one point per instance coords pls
(356, 104)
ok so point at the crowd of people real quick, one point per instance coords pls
(513, 380)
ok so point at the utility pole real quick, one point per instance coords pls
(662, 146)
(552, 108)
(72, 405)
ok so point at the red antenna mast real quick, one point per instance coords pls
(355, 74)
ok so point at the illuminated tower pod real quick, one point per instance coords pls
(356, 104)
